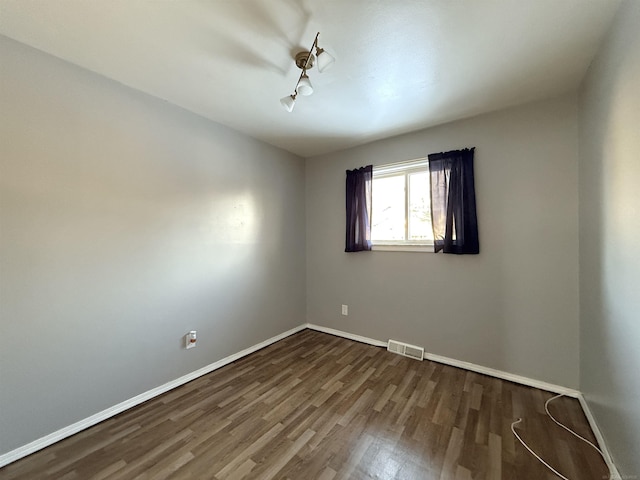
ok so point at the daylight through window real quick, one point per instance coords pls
(401, 214)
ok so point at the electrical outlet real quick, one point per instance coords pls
(190, 339)
(345, 310)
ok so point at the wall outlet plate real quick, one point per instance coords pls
(345, 310)
(190, 339)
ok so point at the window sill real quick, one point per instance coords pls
(424, 248)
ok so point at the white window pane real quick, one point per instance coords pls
(388, 209)
(419, 207)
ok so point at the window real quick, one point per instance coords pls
(401, 207)
(423, 205)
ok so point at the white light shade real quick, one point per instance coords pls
(304, 86)
(288, 102)
(324, 60)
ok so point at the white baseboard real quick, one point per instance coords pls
(350, 336)
(492, 372)
(65, 432)
(550, 387)
(615, 475)
(511, 377)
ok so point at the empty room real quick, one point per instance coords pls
(319, 239)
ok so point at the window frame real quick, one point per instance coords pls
(404, 168)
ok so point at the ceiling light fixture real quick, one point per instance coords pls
(304, 61)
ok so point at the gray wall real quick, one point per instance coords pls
(514, 307)
(125, 222)
(609, 239)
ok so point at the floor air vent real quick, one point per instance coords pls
(406, 349)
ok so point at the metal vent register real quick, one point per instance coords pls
(405, 349)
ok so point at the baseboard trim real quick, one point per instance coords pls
(492, 372)
(350, 336)
(615, 475)
(65, 432)
(511, 377)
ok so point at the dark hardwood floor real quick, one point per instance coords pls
(315, 406)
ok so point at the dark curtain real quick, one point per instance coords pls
(359, 209)
(453, 202)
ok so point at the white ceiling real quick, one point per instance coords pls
(401, 65)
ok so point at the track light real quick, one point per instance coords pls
(304, 61)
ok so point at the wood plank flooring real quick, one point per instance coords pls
(314, 406)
